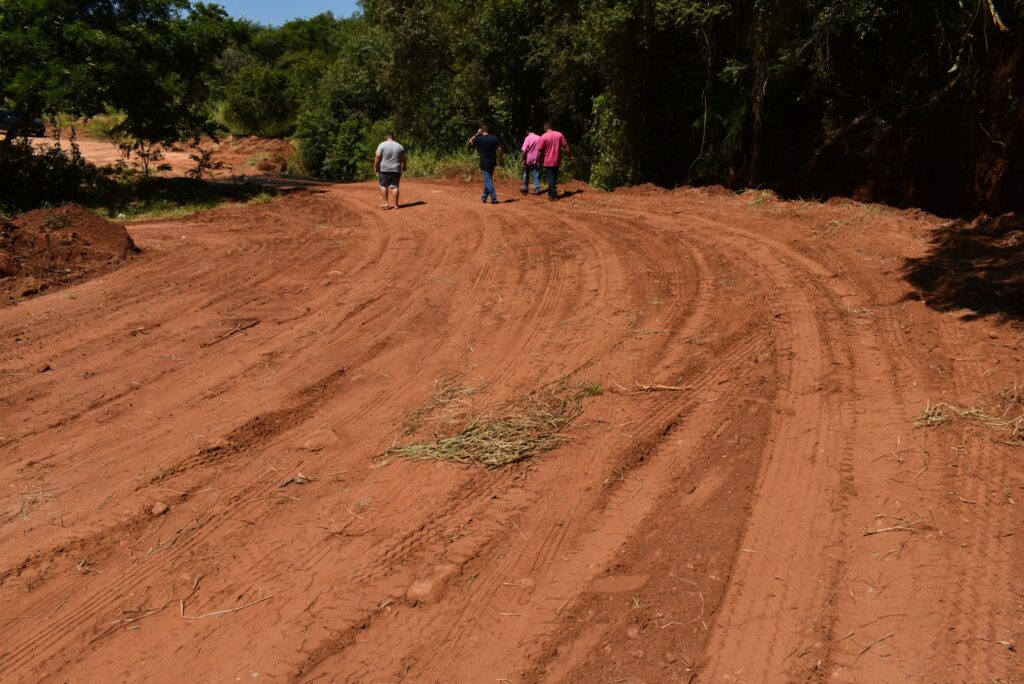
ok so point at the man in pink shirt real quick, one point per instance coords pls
(549, 151)
(530, 162)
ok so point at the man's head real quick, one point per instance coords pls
(484, 128)
(548, 126)
(529, 129)
(390, 135)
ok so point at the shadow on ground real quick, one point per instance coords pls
(978, 266)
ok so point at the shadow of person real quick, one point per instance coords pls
(977, 266)
(410, 205)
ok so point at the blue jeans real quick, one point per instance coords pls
(526, 177)
(489, 190)
(552, 172)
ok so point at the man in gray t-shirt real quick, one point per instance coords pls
(389, 164)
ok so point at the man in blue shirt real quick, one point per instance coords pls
(490, 150)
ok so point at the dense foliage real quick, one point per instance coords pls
(905, 102)
(912, 103)
(150, 59)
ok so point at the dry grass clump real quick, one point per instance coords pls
(450, 401)
(1007, 418)
(514, 431)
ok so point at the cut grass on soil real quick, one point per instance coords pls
(1001, 419)
(516, 430)
(437, 410)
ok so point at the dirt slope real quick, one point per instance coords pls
(774, 516)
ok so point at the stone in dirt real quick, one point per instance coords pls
(158, 509)
(320, 440)
(432, 588)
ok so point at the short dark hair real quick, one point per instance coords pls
(390, 134)
(484, 128)
(548, 126)
(529, 129)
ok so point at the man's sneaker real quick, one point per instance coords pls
(538, 191)
(495, 201)
(524, 190)
(484, 199)
(552, 199)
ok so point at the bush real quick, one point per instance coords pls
(462, 165)
(49, 176)
(613, 163)
(256, 102)
(336, 150)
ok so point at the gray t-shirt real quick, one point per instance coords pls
(391, 154)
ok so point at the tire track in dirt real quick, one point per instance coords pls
(604, 291)
(547, 548)
(248, 437)
(232, 447)
(882, 601)
(757, 575)
(872, 366)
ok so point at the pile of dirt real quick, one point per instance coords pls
(48, 249)
(255, 145)
(265, 155)
(641, 190)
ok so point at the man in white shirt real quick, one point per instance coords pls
(389, 164)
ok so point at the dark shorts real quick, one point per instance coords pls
(390, 179)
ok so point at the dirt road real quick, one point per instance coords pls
(745, 500)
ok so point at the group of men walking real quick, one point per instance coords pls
(540, 152)
(543, 152)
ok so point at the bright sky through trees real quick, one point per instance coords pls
(275, 12)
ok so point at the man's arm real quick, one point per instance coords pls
(376, 162)
(568, 150)
(472, 139)
(405, 162)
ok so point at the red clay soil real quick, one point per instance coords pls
(770, 513)
(248, 156)
(48, 249)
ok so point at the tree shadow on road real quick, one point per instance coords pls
(976, 266)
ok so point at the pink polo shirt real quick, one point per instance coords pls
(530, 149)
(550, 148)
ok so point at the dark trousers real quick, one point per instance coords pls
(552, 172)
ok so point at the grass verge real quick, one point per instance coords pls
(174, 198)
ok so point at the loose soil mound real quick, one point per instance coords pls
(265, 155)
(641, 190)
(255, 145)
(51, 248)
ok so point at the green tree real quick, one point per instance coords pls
(149, 58)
